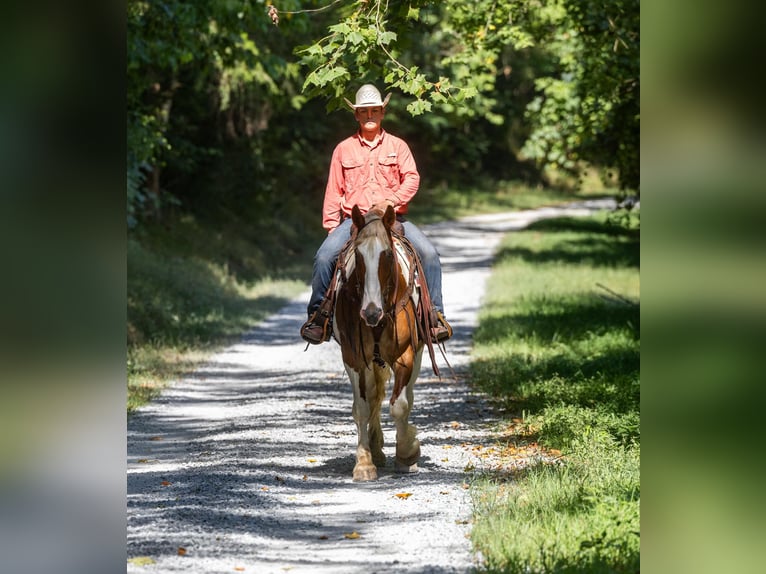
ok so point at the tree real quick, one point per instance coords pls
(588, 106)
(198, 73)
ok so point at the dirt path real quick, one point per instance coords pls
(246, 465)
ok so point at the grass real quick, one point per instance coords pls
(558, 348)
(183, 308)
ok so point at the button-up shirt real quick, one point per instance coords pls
(364, 174)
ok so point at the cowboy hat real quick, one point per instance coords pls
(368, 96)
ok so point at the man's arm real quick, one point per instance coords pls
(331, 212)
(409, 178)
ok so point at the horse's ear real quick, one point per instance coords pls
(357, 217)
(389, 216)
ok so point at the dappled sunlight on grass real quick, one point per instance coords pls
(558, 349)
(182, 309)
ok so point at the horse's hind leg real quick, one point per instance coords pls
(407, 444)
(366, 412)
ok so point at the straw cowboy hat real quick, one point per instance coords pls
(368, 96)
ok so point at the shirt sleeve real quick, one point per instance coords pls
(331, 210)
(409, 178)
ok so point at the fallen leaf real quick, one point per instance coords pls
(143, 460)
(323, 537)
(239, 568)
(166, 483)
(403, 494)
(454, 424)
(305, 477)
(443, 492)
(312, 460)
(264, 488)
(141, 560)
(352, 535)
(445, 460)
(156, 438)
(181, 551)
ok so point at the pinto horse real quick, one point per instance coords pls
(377, 325)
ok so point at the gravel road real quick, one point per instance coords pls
(245, 466)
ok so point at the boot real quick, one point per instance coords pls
(440, 329)
(318, 328)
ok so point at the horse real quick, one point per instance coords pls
(380, 329)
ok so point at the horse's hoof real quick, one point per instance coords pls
(365, 473)
(406, 468)
(379, 459)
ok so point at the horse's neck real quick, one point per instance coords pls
(403, 259)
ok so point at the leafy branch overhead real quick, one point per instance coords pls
(373, 41)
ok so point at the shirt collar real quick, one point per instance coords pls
(375, 143)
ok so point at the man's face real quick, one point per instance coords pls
(369, 118)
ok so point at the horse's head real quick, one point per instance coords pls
(375, 262)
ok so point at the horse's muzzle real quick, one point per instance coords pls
(372, 315)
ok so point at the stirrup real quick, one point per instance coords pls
(320, 322)
(440, 322)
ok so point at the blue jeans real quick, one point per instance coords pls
(327, 254)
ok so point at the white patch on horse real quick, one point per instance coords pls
(370, 252)
(404, 265)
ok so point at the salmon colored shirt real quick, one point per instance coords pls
(364, 174)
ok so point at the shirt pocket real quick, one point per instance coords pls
(353, 174)
(388, 167)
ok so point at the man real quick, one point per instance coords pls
(371, 166)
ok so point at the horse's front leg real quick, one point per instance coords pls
(366, 413)
(407, 445)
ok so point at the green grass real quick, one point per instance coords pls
(558, 345)
(183, 308)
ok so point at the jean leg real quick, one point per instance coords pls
(324, 263)
(429, 257)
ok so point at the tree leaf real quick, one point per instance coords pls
(341, 28)
(403, 495)
(352, 535)
(386, 37)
